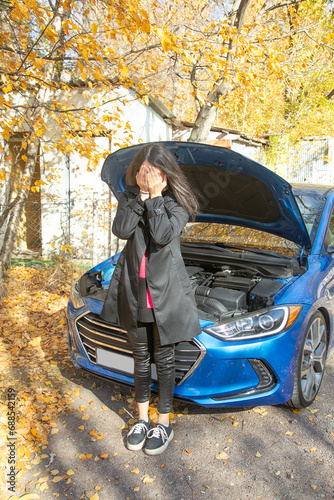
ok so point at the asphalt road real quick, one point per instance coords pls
(260, 453)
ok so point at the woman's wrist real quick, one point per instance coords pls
(154, 194)
(144, 195)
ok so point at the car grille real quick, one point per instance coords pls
(95, 332)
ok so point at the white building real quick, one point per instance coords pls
(74, 208)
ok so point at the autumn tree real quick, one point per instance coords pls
(291, 96)
(262, 66)
(47, 50)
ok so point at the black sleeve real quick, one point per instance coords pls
(165, 221)
(129, 211)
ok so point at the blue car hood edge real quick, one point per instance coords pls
(283, 215)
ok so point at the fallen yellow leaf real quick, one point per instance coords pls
(147, 479)
(135, 471)
(57, 479)
(43, 479)
(94, 497)
(76, 393)
(258, 454)
(222, 456)
(260, 410)
(34, 432)
(104, 455)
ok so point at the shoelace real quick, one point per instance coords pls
(157, 432)
(138, 428)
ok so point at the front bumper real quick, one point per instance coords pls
(209, 371)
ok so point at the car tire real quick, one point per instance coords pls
(311, 363)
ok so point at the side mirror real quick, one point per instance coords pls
(330, 248)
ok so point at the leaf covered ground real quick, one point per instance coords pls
(33, 359)
(33, 348)
(71, 427)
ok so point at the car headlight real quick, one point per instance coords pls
(258, 324)
(76, 297)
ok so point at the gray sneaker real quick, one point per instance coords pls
(158, 439)
(137, 436)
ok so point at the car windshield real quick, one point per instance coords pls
(311, 207)
(238, 237)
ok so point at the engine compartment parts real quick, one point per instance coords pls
(231, 291)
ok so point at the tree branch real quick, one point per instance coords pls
(330, 95)
(284, 4)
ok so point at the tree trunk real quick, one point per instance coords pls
(16, 211)
(207, 114)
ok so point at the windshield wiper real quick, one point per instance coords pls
(248, 249)
(223, 247)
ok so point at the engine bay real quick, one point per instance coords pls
(230, 291)
(221, 289)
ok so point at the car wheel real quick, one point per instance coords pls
(311, 363)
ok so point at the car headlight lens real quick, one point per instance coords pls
(76, 297)
(257, 324)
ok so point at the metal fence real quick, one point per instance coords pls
(81, 231)
(309, 161)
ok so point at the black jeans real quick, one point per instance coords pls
(146, 350)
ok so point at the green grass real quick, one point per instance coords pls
(33, 262)
(49, 263)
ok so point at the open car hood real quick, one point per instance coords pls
(232, 189)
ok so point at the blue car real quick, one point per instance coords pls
(260, 257)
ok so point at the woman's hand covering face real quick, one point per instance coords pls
(151, 179)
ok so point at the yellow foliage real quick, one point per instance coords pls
(182, 52)
(33, 337)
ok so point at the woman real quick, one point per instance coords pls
(150, 294)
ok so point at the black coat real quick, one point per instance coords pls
(156, 223)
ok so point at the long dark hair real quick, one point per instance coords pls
(160, 156)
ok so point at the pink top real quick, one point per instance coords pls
(142, 274)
